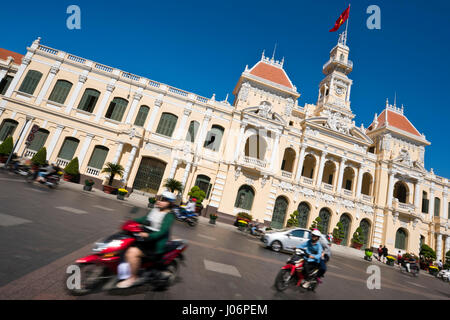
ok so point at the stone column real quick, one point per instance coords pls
(186, 113)
(25, 62)
(81, 80)
(109, 89)
(186, 174)
(274, 150)
(84, 148)
(173, 168)
(136, 98)
(390, 189)
(24, 133)
(3, 74)
(118, 153)
(348, 93)
(53, 71)
(439, 247)
(360, 177)
(301, 159)
(239, 142)
(431, 206)
(55, 138)
(153, 115)
(341, 174)
(129, 163)
(320, 172)
(444, 212)
(447, 244)
(203, 131)
(417, 196)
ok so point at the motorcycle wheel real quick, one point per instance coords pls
(90, 278)
(173, 268)
(282, 280)
(192, 222)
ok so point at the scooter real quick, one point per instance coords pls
(182, 215)
(103, 265)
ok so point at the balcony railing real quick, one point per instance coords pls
(327, 186)
(366, 198)
(93, 171)
(348, 192)
(29, 153)
(62, 162)
(406, 206)
(307, 180)
(348, 64)
(286, 174)
(254, 161)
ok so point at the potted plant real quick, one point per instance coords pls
(173, 185)
(151, 202)
(198, 194)
(71, 171)
(39, 158)
(121, 193)
(390, 260)
(317, 224)
(358, 239)
(213, 218)
(293, 220)
(88, 183)
(113, 169)
(5, 149)
(338, 233)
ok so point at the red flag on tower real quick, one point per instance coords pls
(342, 18)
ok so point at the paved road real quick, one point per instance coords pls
(46, 230)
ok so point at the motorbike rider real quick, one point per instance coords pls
(45, 171)
(314, 253)
(190, 207)
(326, 254)
(407, 262)
(160, 218)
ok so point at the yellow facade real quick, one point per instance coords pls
(279, 154)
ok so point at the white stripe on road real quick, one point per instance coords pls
(103, 208)
(13, 180)
(206, 237)
(333, 266)
(73, 210)
(8, 221)
(36, 190)
(418, 285)
(221, 268)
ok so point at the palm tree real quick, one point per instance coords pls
(173, 185)
(113, 169)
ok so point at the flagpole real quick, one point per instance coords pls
(346, 26)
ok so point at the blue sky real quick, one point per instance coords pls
(203, 47)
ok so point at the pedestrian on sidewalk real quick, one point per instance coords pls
(399, 258)
(440, 266)
(380, 252)
(385, 253)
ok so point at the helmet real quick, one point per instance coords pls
(169, 196)
(316, 233)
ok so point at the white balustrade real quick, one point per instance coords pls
(103, 67)
(327, 186)
(29, 153)
(48, 50)
(307, 180)
(92, 171)
(348, 192)
(366, 198)
(254, 161)
(286, 174)
(62, 162)
(76, 59)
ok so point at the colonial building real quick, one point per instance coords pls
(262, 154)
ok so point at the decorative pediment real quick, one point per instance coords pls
(264, 110)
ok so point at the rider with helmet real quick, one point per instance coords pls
(158, 223)
(314, 251)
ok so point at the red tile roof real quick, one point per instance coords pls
(4, 54)
(397, 120)
(271, 73)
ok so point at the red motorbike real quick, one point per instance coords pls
(102, 266)
(292, 273)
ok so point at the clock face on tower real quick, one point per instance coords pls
(339, 90)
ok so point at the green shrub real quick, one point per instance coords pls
(358, 236)
(89, 182)
(293, 220)
(7, 146)
(40, 157)
(152, 200)
(338, 232)
(317, 224)
(198, 194)
(447, 260)
(427, 253)
(72, 167)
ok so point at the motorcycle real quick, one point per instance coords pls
(184, 216)
(444, 275)
(51, 180)
(105, 263)
(413, 267)
(292, 273)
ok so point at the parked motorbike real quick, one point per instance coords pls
(102, 266)
(413, 267)
(190, 218)
(444, 275)
(292, 273)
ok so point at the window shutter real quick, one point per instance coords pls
(167, 124)
(98, 157)
(39, 140)
(7, 129)
(30, 82)
(4, 84)
(192, 132)
(141, 116)
(68, 149)
(89, 99)
(60, 91)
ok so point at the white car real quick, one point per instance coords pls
(285, 239)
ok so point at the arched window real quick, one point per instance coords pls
(4, 84)
(7, 129)
(203, 182)
(325, 215)
(346, 222)
(141, 116)
(167, 124)
(60, 91)
(329, 170)
(68, 148)
(303, 214)
(98, 157)
(365, 227)
(116, 109)
(192, 131)
(214, 138)
(437, 207)
(288, 160)
(149, 175)
(255, 147)
(89, 99)
(401, 192)
(401, 239)
(308, 166)
(39, 140)
(244, 198)
(30, 82)
(425, 202)
(366, 184)
(347, 180)
(279, 212)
